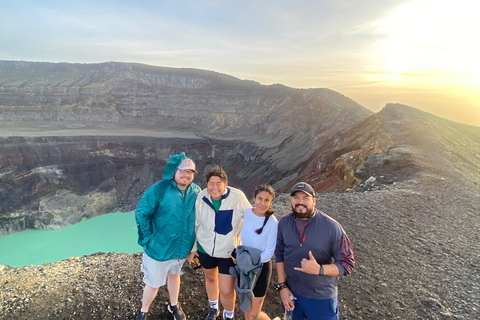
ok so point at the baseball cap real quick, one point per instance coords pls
(304, 187)
(187, 164)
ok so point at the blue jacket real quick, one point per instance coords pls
(328, 242)
(165, 218)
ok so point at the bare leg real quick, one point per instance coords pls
(211, 283)
(227, 291)
(173, 286)
(255, 312)
(149, 293)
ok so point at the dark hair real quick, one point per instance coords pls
(217, 171)
(267, 188)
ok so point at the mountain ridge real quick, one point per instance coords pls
(260, 134)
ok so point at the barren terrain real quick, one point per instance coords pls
(416, 246)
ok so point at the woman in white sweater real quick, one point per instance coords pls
(259, 231)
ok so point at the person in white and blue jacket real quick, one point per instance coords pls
(218, 221)
(165, 220)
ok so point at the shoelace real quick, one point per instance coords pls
(212, 313)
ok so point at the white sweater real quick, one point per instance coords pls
(265, 241)
(219, 234)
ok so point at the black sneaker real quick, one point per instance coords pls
(177, 312)
(141, 316)
(212, 314)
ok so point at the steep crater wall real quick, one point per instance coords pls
(51, 182)
(54, 173)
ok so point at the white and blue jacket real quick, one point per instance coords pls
(219, 234)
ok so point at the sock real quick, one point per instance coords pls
(213, 304)
(227, 314)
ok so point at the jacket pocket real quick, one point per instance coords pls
(223, 222)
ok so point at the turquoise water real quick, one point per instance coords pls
(114, 232)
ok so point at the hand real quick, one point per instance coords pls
(190, 256)
(234, 260)
(285, 296)
(309, 265)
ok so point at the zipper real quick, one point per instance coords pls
(214, 243)
(302, 240)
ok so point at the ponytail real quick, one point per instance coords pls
(267, 215)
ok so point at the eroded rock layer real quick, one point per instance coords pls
(78, 140)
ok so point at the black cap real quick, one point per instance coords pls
(304, 187)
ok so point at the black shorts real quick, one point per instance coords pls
(209, 262)
(263, 280)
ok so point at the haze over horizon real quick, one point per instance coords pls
(422, 53)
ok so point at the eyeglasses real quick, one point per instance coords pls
(189, 172)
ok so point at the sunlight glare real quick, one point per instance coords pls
(436, 36)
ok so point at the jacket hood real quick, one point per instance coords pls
(172, 166)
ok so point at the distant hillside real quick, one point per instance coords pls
(397, 144)
(99, 135)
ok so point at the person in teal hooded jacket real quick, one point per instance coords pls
(165, 219)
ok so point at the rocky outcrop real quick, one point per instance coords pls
(399, 143)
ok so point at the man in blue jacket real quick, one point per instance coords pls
(165, 220)
(312, 252)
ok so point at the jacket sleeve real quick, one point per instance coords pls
(244, 204)
(194, 248)
(280, 246)
(343, 253)
(269, 250)
(197, 222)
(143, 216)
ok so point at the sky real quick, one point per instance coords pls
(422, 53)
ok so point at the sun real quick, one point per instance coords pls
(431, 38)
(394, 77)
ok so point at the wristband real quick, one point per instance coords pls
(280, 286)
(321, 270)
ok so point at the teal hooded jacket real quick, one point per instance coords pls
(166, 218)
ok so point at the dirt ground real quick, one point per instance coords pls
(416, 246)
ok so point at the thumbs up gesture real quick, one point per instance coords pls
(309, 265)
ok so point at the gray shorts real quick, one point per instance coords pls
(155, 272)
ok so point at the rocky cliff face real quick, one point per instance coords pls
(84, 139)
(78, 140)
(208, 104)
(51, 182)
